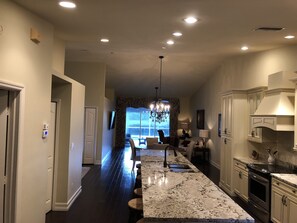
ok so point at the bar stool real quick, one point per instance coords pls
(138, 165)
(138, 192)
(141, 220)
(138, 181)
(136, 208)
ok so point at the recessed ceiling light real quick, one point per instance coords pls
(170, 42)
(190, 20)
(164, 47)
(67, 4)
(289, 37)
(177, 34)
(244, 48)
(104, 40)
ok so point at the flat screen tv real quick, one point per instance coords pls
(112, 116)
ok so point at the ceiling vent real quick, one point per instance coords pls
(272, 29)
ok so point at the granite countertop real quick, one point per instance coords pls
(248, 160)
(183, 197)
(290, 179)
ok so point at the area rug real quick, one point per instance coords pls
(84, 171)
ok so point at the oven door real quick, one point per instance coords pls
(259, 190)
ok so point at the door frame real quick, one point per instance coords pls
(95, 132)
(56, 154)
(15, 149)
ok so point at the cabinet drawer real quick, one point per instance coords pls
(240, 165)
(285, 187)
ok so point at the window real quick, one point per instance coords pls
(139, 125)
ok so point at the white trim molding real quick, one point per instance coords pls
(59, 206)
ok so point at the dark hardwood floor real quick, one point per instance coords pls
(106, 190)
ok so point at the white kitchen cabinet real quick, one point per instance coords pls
(233, 136)
(283, 202)
(254, 97)
(240, 179)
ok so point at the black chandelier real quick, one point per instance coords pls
(160, 109)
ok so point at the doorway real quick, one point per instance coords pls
(90, 135)
(9, 117)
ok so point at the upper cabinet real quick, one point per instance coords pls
(295, 117)
(254, 97)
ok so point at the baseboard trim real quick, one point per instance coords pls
(214, 164)
(59, 206)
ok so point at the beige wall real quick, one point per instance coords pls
(243, 72)
(58, 56)
(28, 64)
(92, 75)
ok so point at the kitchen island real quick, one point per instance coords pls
(183, 196)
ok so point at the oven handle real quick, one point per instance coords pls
(258, 178)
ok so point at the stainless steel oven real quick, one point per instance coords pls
(260, 188)
(259, 195)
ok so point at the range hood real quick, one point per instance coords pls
(276, 110)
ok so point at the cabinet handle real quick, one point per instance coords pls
(294, 191)
(225, 141)
(225, 131)
(240, 174)
(283, 199)
(277, 183)
(253, 133)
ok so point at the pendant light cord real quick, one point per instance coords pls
(161, 57)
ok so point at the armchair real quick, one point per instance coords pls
(187, 150)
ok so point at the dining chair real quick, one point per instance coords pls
(150, 141)
(135, 156)
(162, 137)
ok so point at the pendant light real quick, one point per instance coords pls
(160, 109)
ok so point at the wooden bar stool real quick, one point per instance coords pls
(136, 209)
(138, 192)
(138, 165)
(141, 220)
(138, 181)
(136, 204)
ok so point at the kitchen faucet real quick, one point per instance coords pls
(165, 155)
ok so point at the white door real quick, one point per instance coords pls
(3, 131)
(50, 157)
(90, 133)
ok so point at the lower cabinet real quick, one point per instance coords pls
(283, 202)
(240, 179)
(226, 164)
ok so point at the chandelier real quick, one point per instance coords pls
(160, 109)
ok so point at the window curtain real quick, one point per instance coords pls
(123, 103)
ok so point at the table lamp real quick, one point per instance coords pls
(204, 134)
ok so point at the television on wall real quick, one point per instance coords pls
(112, 116)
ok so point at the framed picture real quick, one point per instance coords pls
(200, 119)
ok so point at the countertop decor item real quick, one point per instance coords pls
(255, 155)
(271, 156)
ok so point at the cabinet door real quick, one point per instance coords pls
(254, 99)
(227, 115)
(236, 181)
(290, 213)
(276, 205)
(226, 159)
(244, 183)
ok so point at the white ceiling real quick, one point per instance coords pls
(138, 29)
